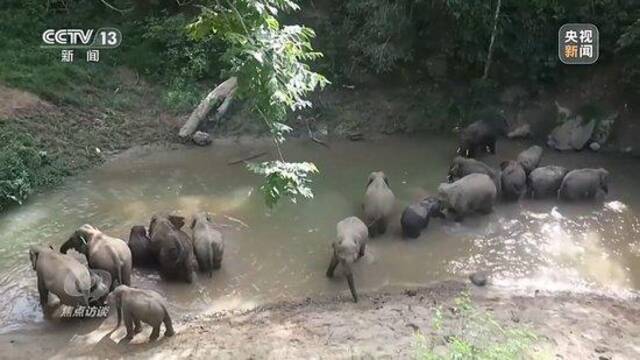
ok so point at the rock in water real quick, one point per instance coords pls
(522, 131)
(201, 138)
(478, 278)
(594, 146)
(572, 135)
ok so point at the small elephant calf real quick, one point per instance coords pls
(349, 246)
(139, 305)
(416, 216)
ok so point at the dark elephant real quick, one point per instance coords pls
(349, 246)
(480, 135)
(545, 181)
(584, 184)
(140, 246)
(172, 247)
(513, 181)
(416, 216)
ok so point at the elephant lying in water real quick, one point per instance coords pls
(349, 246)
(378, 203)
(416, 216)
(472, 193)
(103, 252)
(208, 243)
(61, 275)
(172, 247)
(138, 305)
(584, 184)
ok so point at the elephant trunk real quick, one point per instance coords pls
(349, 275)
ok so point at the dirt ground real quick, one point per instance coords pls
(383, 325)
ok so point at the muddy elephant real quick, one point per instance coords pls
(137, 306)
(545, 181)
(61, 275)
(172, 247)
(513, 180)
(584, 184)
(461, 167)
(103, 252)
(208, 243)
(472, 193)
(530, 158)
(416, 216)
(140, 246)
(480, 135)
(349, 246)
(378, 203)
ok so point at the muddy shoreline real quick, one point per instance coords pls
(383, 325)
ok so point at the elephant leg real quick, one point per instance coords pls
(43, 292)
(352, 287)
(332, 265)
(373, 229)
(382, 226)
(363, 247)
(155, 333)
(138, 325)
(167, 324)
(128, 322)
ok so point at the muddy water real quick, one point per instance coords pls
(274, 255)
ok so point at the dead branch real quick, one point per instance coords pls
(224, 92)
(245, 159)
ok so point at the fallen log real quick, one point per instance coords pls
(223, 92)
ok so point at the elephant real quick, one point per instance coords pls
(100, 284)
(472, 193)
(103, 252)
(480, 134)
(61, 275)
(139, 305)
(172, 247)
(461, 167)
(378, 203)
(545, 181)
(513, 180)
(416, 216)
(208, 243)
(349, 246)
(140, 246)
(584, 184)
(530, 158)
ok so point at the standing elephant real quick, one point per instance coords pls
(61, 275)
(514, 180)
(139, 305)
(584, 184)
(472, 193)
(103, 252)
(461, 167)
(172, 247)
(140, 246)
(208, 243)
(530, 158)
(349, 246)
(416, 216)
(378, 203)
(545, 181)
(480, 134)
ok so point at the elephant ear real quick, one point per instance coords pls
(177, 221)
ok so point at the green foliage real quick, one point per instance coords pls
(476, 335)
(629, 45)
(269, 60)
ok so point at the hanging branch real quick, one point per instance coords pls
(487, 64)
(121, 11)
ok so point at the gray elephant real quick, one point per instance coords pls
(513, 180)
(416, 216)
(480, 135)
(530, 158)
(472, 193)
(139, 305)
(584, 184)
(100, 284)
(378, 203)
(208, 243)
(349, 246)
(140, 246)
(103, 252)
(61, 275)
(545, 181)
(172, 247)
(461, 167)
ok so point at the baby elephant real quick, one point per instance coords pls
(530, 158)
(472, 193)
(514, 180)
(378, 203)
(545, 181)
(349, 246)
(208, 243)
(416, 216)
(138, 305)
(584, 184)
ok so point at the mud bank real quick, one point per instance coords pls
(383, 325)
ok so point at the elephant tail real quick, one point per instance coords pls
(210, 260)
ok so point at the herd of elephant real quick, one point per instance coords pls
(473, 187)
(100, 268)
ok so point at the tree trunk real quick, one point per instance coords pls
(224, 92)
(487, 64)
